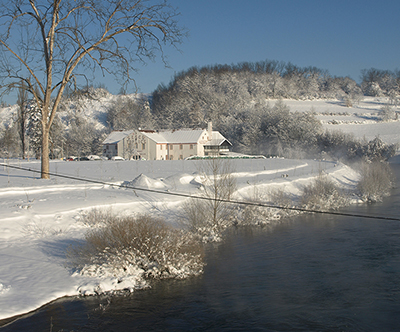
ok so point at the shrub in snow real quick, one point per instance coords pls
(122, 245)
(387, 113)
(210, 216)
(261, 215)
(98, 217)
(376, 181)
(323, 194)
(377, 150)
(256, 215)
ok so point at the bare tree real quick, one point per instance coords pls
(213, 213)
(50, 44)
(219, 185)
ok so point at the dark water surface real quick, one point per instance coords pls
(313, 273)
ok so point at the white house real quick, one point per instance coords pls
(165, 144)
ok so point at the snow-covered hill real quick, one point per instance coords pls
(362, 119)
(92, 108)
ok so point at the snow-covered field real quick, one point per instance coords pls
(39, 219)
(362, 119)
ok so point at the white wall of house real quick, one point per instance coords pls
(174, 151)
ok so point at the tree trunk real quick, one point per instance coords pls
(45, 155)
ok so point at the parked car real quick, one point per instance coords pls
(117, 158)
(71, 158)
(94, 157)
(84, 159)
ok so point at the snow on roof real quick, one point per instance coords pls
(169, 136)
(175, 136)
(217, 139)
(117, 136)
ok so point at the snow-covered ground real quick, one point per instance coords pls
(39, 218)
(362, 119)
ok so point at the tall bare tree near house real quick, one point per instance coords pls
(50, 44)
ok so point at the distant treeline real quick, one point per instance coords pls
(211, 92)
(214, 91)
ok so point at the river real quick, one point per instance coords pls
(311, 273)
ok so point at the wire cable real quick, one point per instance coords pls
(265, 205)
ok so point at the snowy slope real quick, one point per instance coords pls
(93, 109)
(7, 116)
(362, 119)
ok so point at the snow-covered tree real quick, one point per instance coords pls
(34, 129)
(9, 146)
(81, 137)
(22, 117)
(387, 113)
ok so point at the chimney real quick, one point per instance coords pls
(209, 130)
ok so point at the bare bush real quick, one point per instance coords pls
(141, 242)
(387, 113)
(283, 199)
(209, 216)
(323, 194)
(98, 217)
(376, 181)
(261, 215)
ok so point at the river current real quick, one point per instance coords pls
(311, 273)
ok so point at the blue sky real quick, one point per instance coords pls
(341, 36)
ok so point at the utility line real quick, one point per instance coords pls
(202, 197)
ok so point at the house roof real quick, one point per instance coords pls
(117, 136)
(187, 136)
(175, 136)
(217, 139)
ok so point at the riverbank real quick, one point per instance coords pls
(40, 218)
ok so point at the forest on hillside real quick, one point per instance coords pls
(243, 101)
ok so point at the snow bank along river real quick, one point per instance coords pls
(40, 218)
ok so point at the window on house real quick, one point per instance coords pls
(171, 157)
(191, 146)
(180, 147)
(161, 147)
(143, 146)
(171, 147)
(180, 157)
